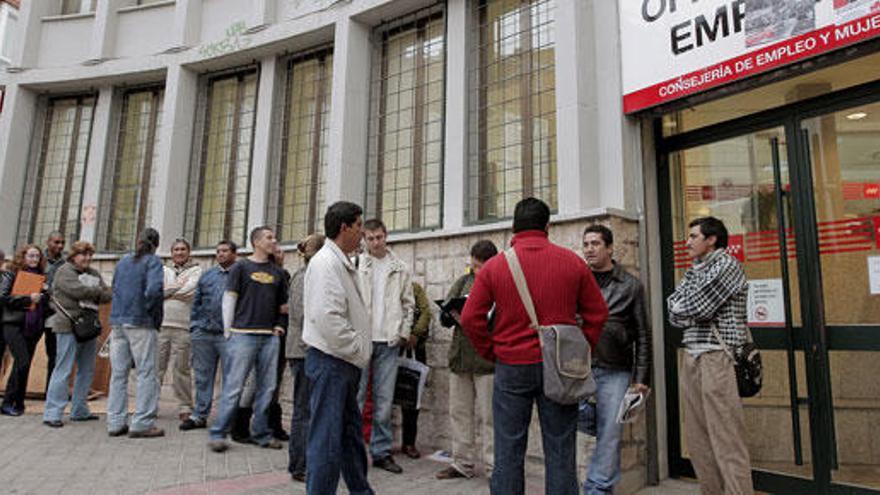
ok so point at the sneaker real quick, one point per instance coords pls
(56, 423)
(301, 477)
(119, 432)
(388, 464)
(90, 417)
(451, 472)
(152, 432)
(281, 435)
(272, 444)
(193, 424)
(218, 446)
(241, 439)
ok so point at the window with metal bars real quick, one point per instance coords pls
(513, 107)
(220, 176)
(405, 178)
(53, 196)
(298, 186)
(129, 184)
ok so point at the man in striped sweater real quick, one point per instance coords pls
(710, 303)
(562, 287)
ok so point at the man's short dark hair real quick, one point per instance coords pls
(231, 245)
(257, 233)
(375, 224)
(55, 233)
(483, 250)
(710, 226)
(339, 213)
(531, 214)
(603, 231)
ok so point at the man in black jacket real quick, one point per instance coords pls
(622, 357)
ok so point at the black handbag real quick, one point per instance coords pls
(86, 326)
(746, 363)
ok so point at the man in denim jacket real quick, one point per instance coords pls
(206, 332)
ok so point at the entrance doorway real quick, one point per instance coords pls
(799, 190)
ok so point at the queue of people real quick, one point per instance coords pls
(341, 322)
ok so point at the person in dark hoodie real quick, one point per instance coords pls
(23, 317)
(135, 317)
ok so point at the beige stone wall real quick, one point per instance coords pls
(436, 264)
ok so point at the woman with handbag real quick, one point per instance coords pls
(76, 290)
(23, 316)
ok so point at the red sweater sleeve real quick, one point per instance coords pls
(475, 316)
(591, 307)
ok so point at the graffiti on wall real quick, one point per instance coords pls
(235, 40)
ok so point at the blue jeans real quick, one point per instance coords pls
(604, 470)
(243, 351)
(517, 389)
(299, 420)
(68, 352)
(335, 440)
(133, 345)
(384, 365)
(207, 350)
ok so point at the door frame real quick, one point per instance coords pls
(814, 340)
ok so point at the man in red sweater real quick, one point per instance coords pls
(562, 287)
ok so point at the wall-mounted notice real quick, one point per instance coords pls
(766, 303)
(874, 274)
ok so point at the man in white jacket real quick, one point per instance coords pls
(336, 327)
(386, 284)
(181, 280)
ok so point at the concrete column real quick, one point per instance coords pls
(173, 153)
(349, 115)
(101, 129)
(16, 127)
(30, 28)
(187, 23)
(104, 29)
(263, 149)
(455, 169)
(262, 14)
(576, 113)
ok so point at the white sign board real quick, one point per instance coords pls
(874, 274)
(674, 48)
(766, 307)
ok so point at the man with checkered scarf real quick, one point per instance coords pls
(710, 302)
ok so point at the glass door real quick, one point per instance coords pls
(843, 148)
(744, 181)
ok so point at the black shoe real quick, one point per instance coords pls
(11, 411)
(119, 432)
(90, 417)
(388, 464)
(301, 477)
(241, 439)
(53, 424)
(281, 435)
(192, 424)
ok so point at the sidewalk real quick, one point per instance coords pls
(81, 459)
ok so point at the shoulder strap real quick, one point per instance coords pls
(61, 309)
(521, 286)
(722, 342)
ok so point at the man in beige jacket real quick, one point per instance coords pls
(181, 280)
(336, 327)
(386, 284)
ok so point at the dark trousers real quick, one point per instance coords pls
(335, 441)
(410, 416)
(22, 348)
(517, 389)
(51, 352)
(299, 420)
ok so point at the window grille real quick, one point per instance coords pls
(405, 178)
(298, 186)
(513, 107)
(53, 196)
(129, 185)
(220, 177)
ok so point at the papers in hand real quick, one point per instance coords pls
(632, 405)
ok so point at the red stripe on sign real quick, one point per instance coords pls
(770, 57)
